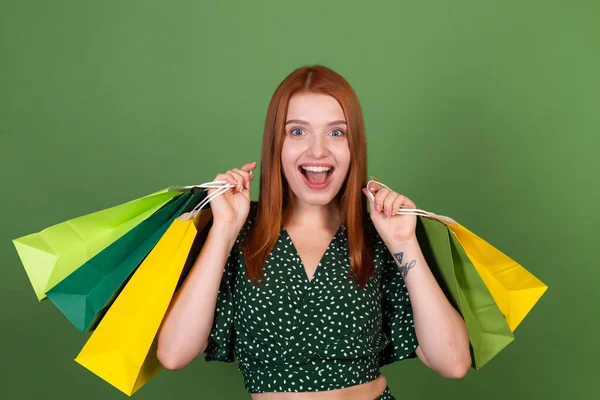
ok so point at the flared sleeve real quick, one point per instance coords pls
(397, 315)
(221, 341)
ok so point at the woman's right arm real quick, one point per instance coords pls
(185, 330)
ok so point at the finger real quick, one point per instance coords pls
(388, 203)
(249, 166)
(398, 202)
(366, 193)
(408, 202)
(226, 177)
(221, 177)
(242, 177)
(245, 176)
(380, 196)
(239, 179)
(371, 203)
(373, 187)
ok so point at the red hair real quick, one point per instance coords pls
(274, 209)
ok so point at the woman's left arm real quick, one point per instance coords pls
(441, 331)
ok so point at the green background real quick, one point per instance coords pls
(485, 111)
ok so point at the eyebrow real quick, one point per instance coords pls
(299, 121)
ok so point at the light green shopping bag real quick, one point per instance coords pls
(52, 254)
(489, 332)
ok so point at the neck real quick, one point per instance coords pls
(325, 216)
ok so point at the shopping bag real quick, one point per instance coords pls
(122, 348)
(488, 330)
(52, 254)
(514, 289)
(85, 295)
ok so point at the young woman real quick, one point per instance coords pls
(312, 293)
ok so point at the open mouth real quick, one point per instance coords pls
(316, 178)
(305, 171)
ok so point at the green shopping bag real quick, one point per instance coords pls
(85, 295)
(489, 332)
(52, 254)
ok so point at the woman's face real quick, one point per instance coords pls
(315, 138)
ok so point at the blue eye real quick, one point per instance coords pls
(338, 130)
(296, 130)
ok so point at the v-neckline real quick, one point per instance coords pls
(302, 266)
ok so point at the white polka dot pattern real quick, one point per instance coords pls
(292, 334)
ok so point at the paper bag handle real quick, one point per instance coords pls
(406, 210)
(222, 187)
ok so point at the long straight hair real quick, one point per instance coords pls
(274, 209)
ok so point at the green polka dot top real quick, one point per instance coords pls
(298, 335)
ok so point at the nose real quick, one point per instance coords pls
(317, 146)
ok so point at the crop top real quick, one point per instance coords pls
(299, 335)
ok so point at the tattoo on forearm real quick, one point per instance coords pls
(406, 267)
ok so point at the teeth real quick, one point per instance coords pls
(316, 169)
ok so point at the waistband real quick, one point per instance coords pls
(318, 374)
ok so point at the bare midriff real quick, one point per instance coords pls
(366, 391)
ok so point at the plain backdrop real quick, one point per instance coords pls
(485, 111)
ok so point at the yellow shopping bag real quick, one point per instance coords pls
(514, 289)
(122, 349)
